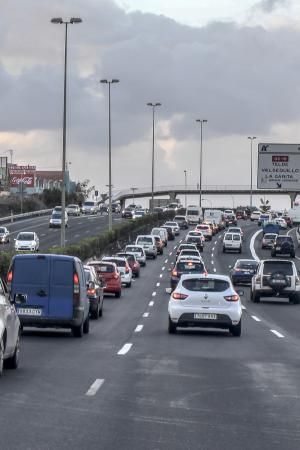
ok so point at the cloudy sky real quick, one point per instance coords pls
(236, 64)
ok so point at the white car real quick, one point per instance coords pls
(175, 227)
(187, 253)
(55, 220)
(281, 222)
(27, 241)
(148, 243)
(123, 268)
(162, 232)
(205, 230)
(205, 301)
(4, 235)
(138, 252)
(235, 230)
(89, 207)
(232, 241)
(255, 215)
(73, 210)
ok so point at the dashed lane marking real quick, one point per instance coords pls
(139, 328)
(166, 261)
(244, 307)
(151, 303)
(277, 333)
(215, 269)
(95, 387)
(163, 268)
(212, 262)
(161, 275)
(256, 319)
(146, 314)
(125, 349)
(44, 234)
(157, 284)
(175, 247)
(170, 253)
(153, 294)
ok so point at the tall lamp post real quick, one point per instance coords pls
(201, 121)
(185, 188)
(60, 21)
(153, 106)
(133, 189)
(109, 82)
(251, 170)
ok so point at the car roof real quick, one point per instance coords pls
(246, 261)
(189, 276)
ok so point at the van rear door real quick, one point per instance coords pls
(61, 287)
(30, 276)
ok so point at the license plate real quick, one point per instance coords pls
(29, 311)
(205, 316)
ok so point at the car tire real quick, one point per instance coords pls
(240, 250)
(171, 327)
(13, 362)
(86, 325)
(118, 294)
(224, 250)
(154, 256)
(101, 310)
(294, 298)
(273, 253)
(293, 255)
(95, 313)
(236, 330)
(137, 275)
(128, 285)
(78, 331)
(255, 298)
(1, 358)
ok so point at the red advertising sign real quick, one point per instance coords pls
(280, 158)
(27, 179)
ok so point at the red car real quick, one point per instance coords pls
(108, 272)
(133, 263)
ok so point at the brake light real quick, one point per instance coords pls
(116, 276)
(232, 298)
(179, 296)
(9, 276)
(174, 273)
(75, 283)
(91, 291)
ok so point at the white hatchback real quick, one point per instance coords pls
(207, 301)
(27, 241)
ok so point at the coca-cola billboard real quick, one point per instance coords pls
(21, 174)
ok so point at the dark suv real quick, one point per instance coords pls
(283, 245)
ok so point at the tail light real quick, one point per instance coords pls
(91, 291)
(76, 288)
(238, 270)
(116, 276)
(179, 296)
(232, 298)
(9, 279)
(174, 273)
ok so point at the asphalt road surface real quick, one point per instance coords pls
(131, 385)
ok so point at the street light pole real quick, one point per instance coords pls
(133, 189)
(59, 20)
(109, 82)
(185, 189)
(251, 170)
(201, 121)
(153, 105)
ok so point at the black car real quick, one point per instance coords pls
(283, 245)
(195, 240)
(95, 289)
(243, 271)
(185, 266)
(171, 235)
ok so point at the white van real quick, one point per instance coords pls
(294, 214)
(162, 232)
(193, 214)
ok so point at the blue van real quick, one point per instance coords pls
(53, 291)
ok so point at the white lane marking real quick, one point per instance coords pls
(125, 349)
(151, 303)
(256, 319)
(212, 255)
(213, 249)
(79, 223)
(87, 231)
(298, 257)
(244, 307)
(180, 241)
(277, 333)
(252, 250)
(139, 328)
(170, 253)
(163, 268)
(146, 314)
(215, 269)
(153, 294)
(175, 247)
(44, 234)
(161, 275)
(212, 262)
(157, 284)
(166, 261)
(95, 387)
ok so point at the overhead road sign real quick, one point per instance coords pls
(278, 167)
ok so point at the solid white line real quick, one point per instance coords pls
(139, 328)
(151, 303)
(252, 250)
(95, 387)
(125, 349)
(256, 319)
(163, 268)
(153, 294)
(244, 307)
(146, 314)
(157, 284)
(277, 333)
(161, 275)
(166, 261)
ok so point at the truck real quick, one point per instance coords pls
(216, 216)
(194, 214)
(270, 227)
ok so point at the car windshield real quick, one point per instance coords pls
(145, 240)
(206, 285)
(190, 266)
(284, 267)
(2, 230)
(191, 212)
(25, 237)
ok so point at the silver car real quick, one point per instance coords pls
(4, 235)
(9, 331)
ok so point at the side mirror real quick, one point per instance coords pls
(20, 299)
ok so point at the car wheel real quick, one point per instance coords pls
(78, 331)
(95, 312)
(1, 357)
(255, 298)
(171, 327)
(13, 362)
(137, 274)
(273, 253)
(86, 325)
(240, 250)
(101, 310)
(236, 330)
(224, 250)
(154, 256)
(294, 298)
(128, 284)
(118, 294)
(293, 255)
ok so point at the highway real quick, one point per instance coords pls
(131, 385)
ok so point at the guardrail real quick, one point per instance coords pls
(15, 217)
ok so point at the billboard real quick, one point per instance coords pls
(22, 174)
(278, 167)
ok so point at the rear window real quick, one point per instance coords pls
(87, 274)
(228, 237)
(108, 268)
(194, 239)
(2, 230)
(191, 266)
(176, 218)
(247, 265)
(191, 212)
(270, 236)
(144, 240)
(89, 204)
(189, 252)
(236, 237)
(278, 266)
(31, 271)
(118, 262)
(206, 285)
